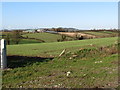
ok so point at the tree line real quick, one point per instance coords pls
(12, 37)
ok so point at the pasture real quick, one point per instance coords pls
(87, 67)
(102, 33)
(55, 48)
(84, 73)
(47, 37)
(89, 63)
(22, 40)
(91, 34)
(28, 41)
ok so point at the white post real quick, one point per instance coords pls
(3, 54)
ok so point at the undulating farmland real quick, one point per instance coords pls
(90, 63)
(47, 37)
(102, 33)
(55, 48)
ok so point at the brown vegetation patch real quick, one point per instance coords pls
(73, 34)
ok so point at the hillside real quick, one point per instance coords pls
(85, 64)
(91, 34)
(47, 37)
(55, 48)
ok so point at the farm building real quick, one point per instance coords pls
(40, 30)
(51, 32)
(29, 31)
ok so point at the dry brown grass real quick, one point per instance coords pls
(73, 34)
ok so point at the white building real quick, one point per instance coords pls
(40, 30)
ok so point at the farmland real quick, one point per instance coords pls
(60, 45)
(84, 73)
(56, 47)
(28, 41)
(38, 65)
(47, 37)
(102, 33)
(58, 37)
(91, 34)
(22, 41)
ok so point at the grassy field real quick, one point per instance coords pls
(28, 41)
(108, 32)
(25, 41)
(55, 48)
(87, 68)
(101, 33)
(84, 73)
(97, 33)
(22, 41)
(90, 63)
(47, 37)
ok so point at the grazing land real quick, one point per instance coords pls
(102, 33)
(47, 37)
(55, 48)
(91, 34)
(28, 41)
(84, 64)
(55, 45)
(44, 37)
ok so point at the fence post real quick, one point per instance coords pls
(3, 54)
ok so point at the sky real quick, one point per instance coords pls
(80, 15)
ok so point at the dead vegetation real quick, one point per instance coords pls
(74, 34)
(83, 52)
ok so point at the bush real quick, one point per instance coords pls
(16, 36)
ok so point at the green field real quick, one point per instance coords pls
(28, 41)
(85, 73)
(91, 63)
(97, 33)
(108, 32)
(22, 40)
(101, 33)
(55, 48)
(47, 37)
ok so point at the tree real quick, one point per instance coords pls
(16, 36)
(77, 36)
(63, 37)
(53, 29)
(36, 31)
(8, 39)
(59, 29)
